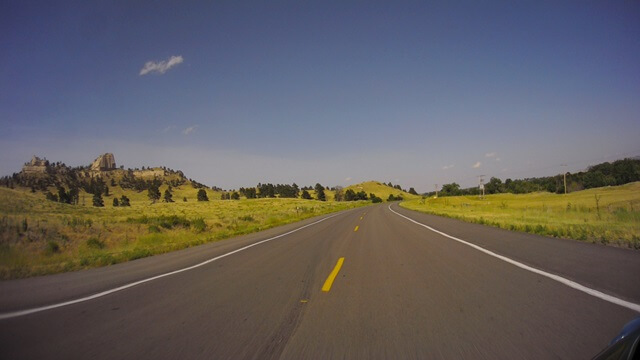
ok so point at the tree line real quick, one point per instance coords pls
(619, 172)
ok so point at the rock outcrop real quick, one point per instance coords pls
(149, 173)
(104, 162)
(36, 165)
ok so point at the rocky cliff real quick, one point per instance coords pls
(104, 162)
(36, 165)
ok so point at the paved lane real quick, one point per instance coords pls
(402, 292)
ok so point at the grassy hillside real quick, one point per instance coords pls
(38, 236)
(381, 190)
(608, 215)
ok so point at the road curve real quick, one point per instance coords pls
(401, 291)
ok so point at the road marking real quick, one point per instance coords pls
(123, 287)
(327, 284)
(356, 229)
(560, 279)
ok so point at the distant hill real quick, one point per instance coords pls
(381, 190)
(74, 184)
(41, 175)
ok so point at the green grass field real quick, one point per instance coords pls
(609, 215)
(42, 237)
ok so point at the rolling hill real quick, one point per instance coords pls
(381, 190)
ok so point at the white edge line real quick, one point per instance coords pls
(123, 287)
(560, 279)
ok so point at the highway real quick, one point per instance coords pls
(368, 283)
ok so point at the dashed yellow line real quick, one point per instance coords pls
(327, 284)
(356, 229)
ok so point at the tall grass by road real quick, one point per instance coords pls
(609, 215)
(42, 237)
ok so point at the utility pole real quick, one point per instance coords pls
(565, 179)
(481, 185)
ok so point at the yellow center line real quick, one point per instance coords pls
(327, 284)
(356, 229)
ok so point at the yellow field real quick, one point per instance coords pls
(40, 237)
(609, 215)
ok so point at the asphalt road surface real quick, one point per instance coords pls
(402, 292)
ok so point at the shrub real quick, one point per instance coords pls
(95, 243)
(169, 222)
(154, 229)
(52, 247)
(51, 197)
(137, 253)
(199, 225)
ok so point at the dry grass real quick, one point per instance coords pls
(41, 237)
(609, 215)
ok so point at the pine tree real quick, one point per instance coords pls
(306, 195)
(97, 200)
(202, 195)
(321, 195)
(168, 197)
(153, 193)
(124, 201)
(62, 196)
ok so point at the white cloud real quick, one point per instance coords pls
(490, 155)
(189, 130)
(161, 66)
(347, 178)
(447, 167)
(477, 165)
(498, 159)
(166, 130)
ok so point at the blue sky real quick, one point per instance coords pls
(235, 93)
